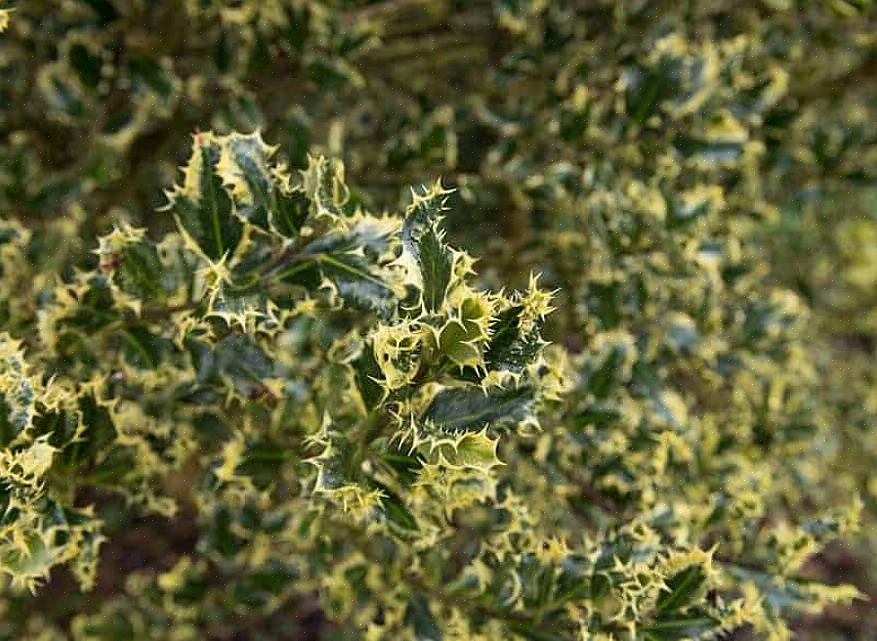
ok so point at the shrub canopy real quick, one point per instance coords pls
(252, 398)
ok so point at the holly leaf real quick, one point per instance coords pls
(289, 213)
(245, 167)
(140, 273)
(357, 284)
(436, 262)
(142, 348)
(201, 206)
(697, 626)
(350, 260)
(259, 187)
(680, 590)
(509, 349)
(367, 372)
(472, 408)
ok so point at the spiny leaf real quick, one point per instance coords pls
(425, 211)
(357, 284)
(472, 408)
(140, 273)
(323, 184)
(290, 212)
(349, 260)
(201, 205)
(509, 349)
(394, 508)
(472, 450)
(681, 587)
(244, 165)
(436, 262)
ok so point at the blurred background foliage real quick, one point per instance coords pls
(697, 178)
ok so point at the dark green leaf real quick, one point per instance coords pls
(419, 617)
(436, 262)
(681, 587)
(472, 408)
(420, 216)
(142, 348)
(152, 77)
(367, 371)
(243, 363)
(250, 157)
(394, 508)
(87, 65)
(509, 349)
(99, 428)
(262, 462)
(290, 212)
(201, 205)
(673, 629)
(356, 284)
(258, 588)
(537, 631)
(140, 273)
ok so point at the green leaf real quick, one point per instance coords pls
(142, 348)
(676, 629)
(681, 588)
(323, 184)
(457, 342)
(357, 284)
(394, 508)
(536, 631)
(436, 261)
(471, 408)
(424, 212)
(99, 428)
(114, 467)
(260, 587)
(350, 262)
(573, 582)
(18, 397)
(420, 618)
(471, 450)
(202, 207)
(8, 429)
(104, 10)
(61, 91)
(331, 74)
(140, 273)
(598, 415)
(221, 535)
(607, 375)
(211, 427)
(261, 462)
(245, 167)
(87, 64)
(149, 75)
(290, 212)
(236, 359)
(96, 309)
(508, 349)
(367, 372)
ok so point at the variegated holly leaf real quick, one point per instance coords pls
(201, 205)
(471, 408)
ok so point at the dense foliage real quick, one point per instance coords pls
(251, 399)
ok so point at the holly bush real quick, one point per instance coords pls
(253, 399)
